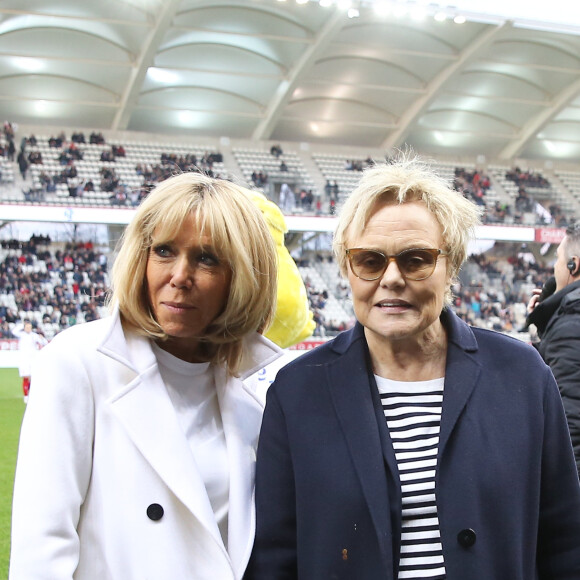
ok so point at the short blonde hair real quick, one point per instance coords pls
(406, 179)
(240, 235)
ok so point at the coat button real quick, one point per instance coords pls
(466, 538)
(155, 512)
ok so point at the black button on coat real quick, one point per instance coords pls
(155, 512)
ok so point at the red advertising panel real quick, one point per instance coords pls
(550, 235)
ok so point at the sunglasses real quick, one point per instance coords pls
(414, 264)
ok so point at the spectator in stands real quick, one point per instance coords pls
(78, 137)
(287, 198)
(22, 163)
(332, 207)
(35, 158)
(56, 142)
(524, 203)
(113, 426)
(109, 180)
(334, 190)
(276, 150)
(356, 432)
(30, 341)
(306, 199)
(327, 188)
(118, 150)
(11, 150)
(8, 130)
(5, 330)
(557, 320)
(120, 195)
(107, 155)
(96, 138)
(260, 179)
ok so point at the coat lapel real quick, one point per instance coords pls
(241, 416)
(241, 411)
(147, 414)
(145, 410)
(350, 391)
(462, 372)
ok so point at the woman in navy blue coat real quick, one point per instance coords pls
(414, 446)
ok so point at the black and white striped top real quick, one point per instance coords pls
(413, 413)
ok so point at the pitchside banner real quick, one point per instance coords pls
(549, 235)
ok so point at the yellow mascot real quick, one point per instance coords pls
(293, 321)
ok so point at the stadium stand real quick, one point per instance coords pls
(103, 171)
(52, 286)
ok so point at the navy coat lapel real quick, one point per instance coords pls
(350, 389)
(462, 372)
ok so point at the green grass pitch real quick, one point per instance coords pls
(11, 411)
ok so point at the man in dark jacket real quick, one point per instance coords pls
(557, 319)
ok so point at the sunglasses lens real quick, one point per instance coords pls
(368, 264)
(416, 264)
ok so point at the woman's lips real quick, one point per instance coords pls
(393, 305)
(177, 306)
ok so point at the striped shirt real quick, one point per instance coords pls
(413, 414)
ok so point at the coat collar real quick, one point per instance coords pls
(142, 403)
(462, 372)
(134, 351)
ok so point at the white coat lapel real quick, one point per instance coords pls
(241, 417)
(145, 410)
(149, 418)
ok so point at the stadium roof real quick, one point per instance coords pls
(504, 84)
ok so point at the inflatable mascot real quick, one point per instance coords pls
(293, 322)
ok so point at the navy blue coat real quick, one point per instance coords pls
(327, 486)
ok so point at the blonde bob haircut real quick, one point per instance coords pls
(240, 236)
(408, 179)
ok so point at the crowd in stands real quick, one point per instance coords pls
(496, 295)
(276, 150)
(7, 147)
(331, 190)
(53, 288)
(171, 163)
(259, 178)
(475, 184)
(357, 165)
(527, 178)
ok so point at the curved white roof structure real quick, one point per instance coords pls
(500, 85)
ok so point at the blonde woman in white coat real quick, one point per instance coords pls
(137, 450)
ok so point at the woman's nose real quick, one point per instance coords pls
(182, 274)
(392, 275)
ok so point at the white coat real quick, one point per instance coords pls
(102, 457)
